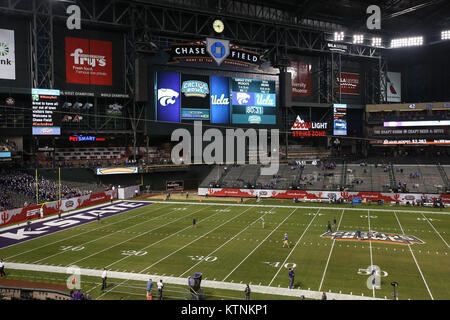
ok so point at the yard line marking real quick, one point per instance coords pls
(371, 256)
(257, 219)
(295, 207)
(132, 238)
(331, 251)
(259, 244)
(414, 257)
(107, 235)
(178, 249)
(298, 241)
(226, 221)
(436, 231)
(79, 234)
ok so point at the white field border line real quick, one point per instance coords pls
(225, 243)
(414, 257)
(177, 249)
(296, 244)
(183, 281)
(167, 237)
(370, 247)
(110, 234)
(260, 243)
(196, 239)
(331, 251)
(436, 230)
(292, 207)
(77, 235)
(137, 236)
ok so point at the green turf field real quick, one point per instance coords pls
(229, 245)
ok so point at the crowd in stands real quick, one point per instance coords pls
(25, 184)
(7, 145)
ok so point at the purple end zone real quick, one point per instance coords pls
(41, 228)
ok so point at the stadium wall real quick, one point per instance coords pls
(318, 195)
(27, 213)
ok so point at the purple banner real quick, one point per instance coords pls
(41, 228)
(168, 96)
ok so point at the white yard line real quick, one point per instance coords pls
(292, 207)
(296, 244)
(259, 244)
(183, 281)
(187, 245)
(331, 251)
(132, 238)
(167, 237)
(108, 235)
(436, 230)
(142, 271)
(414, 257)
(224, 244)
(371, 256)
(77, 235)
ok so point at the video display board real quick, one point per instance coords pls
(253, 101)
(340, 119)
(45, 104)
(216, 99)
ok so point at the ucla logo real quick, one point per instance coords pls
(195, 88)
(220, 101)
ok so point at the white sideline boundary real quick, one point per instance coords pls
(288, 207)
(183, 281)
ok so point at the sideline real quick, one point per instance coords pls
(183, 281)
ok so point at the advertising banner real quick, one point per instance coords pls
(175, 185)
(394, 86)
(349, 83)
(88, 61)
(319, 195)
(168, 97)
(340, 119)
(7, 55)
(26, 213)
(15, 48)
(301, 79)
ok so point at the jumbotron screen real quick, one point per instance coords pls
(216, 99)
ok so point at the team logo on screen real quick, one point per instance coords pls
(167, 96)
(195, 88)
(220, 100)
(218, 49)
(242, 98)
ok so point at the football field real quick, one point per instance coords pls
(230, 247)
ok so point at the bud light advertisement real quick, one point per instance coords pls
(168, 99)
(220, 100)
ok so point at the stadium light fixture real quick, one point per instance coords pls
(376, 42)
(358, 39)
(445, 35)
(339, 36)
(406, 42)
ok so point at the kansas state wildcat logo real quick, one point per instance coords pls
(167, 96)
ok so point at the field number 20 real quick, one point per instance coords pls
(203, 258)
